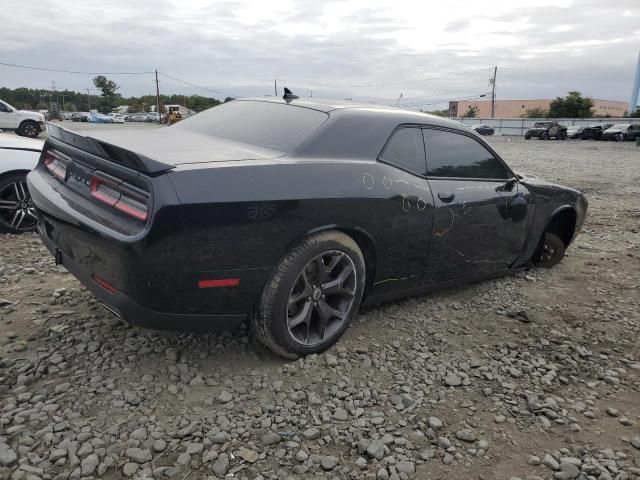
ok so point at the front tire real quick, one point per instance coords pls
(312, 296)
(29, 129)
(549, 252)
(17, 214)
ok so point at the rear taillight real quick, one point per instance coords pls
(56, 164)
(120, 195)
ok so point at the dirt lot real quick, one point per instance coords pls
(532, 376)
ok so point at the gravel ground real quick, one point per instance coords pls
(534, 376)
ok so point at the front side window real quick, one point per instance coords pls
(455, 155)
(406, 150)
(4, 108)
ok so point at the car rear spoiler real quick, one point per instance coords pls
(108, 151)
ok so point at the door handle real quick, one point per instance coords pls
(446, 196)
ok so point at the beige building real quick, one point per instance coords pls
(516, 108)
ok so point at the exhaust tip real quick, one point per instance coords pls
(107, 307)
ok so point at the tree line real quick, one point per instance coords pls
(107, 101)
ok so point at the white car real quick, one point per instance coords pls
(117, 118)
(24, 123)
(18, 156)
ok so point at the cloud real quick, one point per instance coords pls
(334, 48)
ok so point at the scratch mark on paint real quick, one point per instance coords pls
(394, 280)
(422, 203)
(453, 219)
(471, 260)
(406, 203)
(388, 182)
(368, 181)
(466, 208)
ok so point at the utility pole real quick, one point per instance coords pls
(275, 87)
(89, 99)
(633, 103)
(493, 92)
(158, 98)
(311, 92)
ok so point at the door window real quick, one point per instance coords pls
(455, 155)
(4, 108)
(406, 150)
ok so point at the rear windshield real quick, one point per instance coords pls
(622, 126)
(271, 125)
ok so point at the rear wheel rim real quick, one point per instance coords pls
(16, 207)
(321, 298)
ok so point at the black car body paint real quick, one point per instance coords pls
(220, 208)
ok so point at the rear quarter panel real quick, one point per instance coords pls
(247, 216)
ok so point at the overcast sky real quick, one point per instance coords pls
(428, 51)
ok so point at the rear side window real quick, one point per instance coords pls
(455, 155)
(406, 150)
(271, 125)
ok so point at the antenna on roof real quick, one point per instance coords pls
(289, 95)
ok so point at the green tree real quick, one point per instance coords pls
(109, 98)
(472, 112)
(536, 113)
(574, 105)
(635, 114)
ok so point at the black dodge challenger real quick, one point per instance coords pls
(291, 213)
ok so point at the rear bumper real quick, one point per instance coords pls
(133, 313)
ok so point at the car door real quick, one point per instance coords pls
(7, 117)
(406, 215)
(480, 213)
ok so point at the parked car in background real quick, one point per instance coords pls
(23, 122)
(289, 213)
(621, 132)
(546, 130)
(79, 117)
(17, 157)
(117, 118)
(138, 117)
(96, 117)
(153, 117)
(594, 132)
(484, 129)
(574, 131)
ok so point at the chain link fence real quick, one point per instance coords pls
(519, 126)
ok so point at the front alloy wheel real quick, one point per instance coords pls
(312, 296)
(17, 214)
(29, 129)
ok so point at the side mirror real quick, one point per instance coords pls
(517, 208)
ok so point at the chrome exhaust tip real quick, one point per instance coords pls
(107, 307)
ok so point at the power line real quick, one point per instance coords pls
(403, 82)
(72, 71)
(198, 86)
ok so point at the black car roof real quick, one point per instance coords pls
(345, 107)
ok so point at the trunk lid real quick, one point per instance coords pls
(178, 146)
